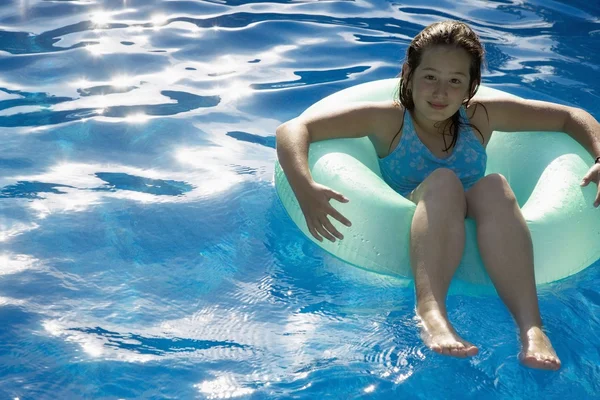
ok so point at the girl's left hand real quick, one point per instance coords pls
(593, 175)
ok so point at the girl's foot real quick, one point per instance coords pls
(537, 350)
(439, 336)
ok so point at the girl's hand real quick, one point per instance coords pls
(593, 175)
(314, 202)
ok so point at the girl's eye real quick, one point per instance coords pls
(429, 77)
(455, 81)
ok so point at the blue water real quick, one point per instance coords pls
(143, 253)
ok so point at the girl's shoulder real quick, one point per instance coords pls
(478, 115)
(390, 117)
(390, 109)
(391, 113)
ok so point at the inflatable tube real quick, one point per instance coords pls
(543, 168)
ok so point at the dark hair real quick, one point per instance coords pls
(445, 33)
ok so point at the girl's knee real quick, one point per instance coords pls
(444, 180)
(488, 195)
(495, 188)
(443, 185)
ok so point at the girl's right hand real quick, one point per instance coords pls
(314, 202)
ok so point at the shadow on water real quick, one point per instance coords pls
(154, 345)
(114, 182)
(183, 102)
(159, 187)
(268, 141)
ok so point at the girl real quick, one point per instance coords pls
(431, 148)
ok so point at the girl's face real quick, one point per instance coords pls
(440, 83)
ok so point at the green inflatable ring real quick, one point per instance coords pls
(543, 168)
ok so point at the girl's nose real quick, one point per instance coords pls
(440, 88)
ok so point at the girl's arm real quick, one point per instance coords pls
(585, 129)
(512, 115)
(349, 121)
(293, 139)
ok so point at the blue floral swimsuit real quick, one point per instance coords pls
(411, 161)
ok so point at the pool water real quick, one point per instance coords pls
(143, 251)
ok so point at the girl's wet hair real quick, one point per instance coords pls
(446, 33)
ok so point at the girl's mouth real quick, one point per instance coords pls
(437, 106)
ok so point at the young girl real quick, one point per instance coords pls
(431, 149)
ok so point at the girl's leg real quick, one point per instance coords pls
(506, 250)
(437, 240)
